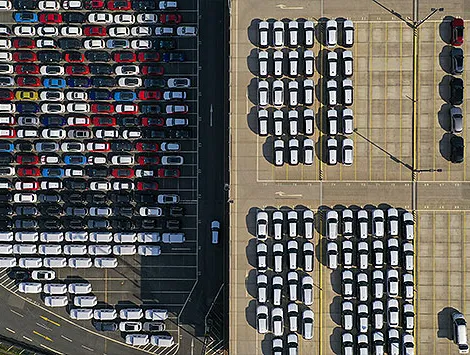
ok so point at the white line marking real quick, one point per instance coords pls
(50, 349)
(29, 339)
(43, 326)
(18, 314)
(211, 111)
(10, 330)
(68, 339)
(87, 348)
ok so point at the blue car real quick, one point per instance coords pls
(52, 172)
(6, 147)
(100, 94)
(53, 120)
(75, 159)
(54, 83)
(80, 82)
(125, 96)
(25, 17)
(27, 107)
(173, 57)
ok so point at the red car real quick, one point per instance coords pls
(152, 121)
(148, 159)
(102, 107)
(94, 4)
(119, 5)
(27, 159)
(168, 173)
(122, 173)
(29, 171)
(77, 69)
(50, 17)
(74, 57)
(147, 185)
(7, 133)
(147, 147)
(95, 31)
(27, 69)
(24, 56)
(24, 43)
(149, 56)
(104, 121)
(170, 18)
(29, 81)
(150, 94)
(457, 31)
(152, 69)
(125, 57)
(6, 95)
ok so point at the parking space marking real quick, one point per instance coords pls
(10, 330)
(369, 113)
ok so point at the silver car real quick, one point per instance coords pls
(307, 324)
(456, 120)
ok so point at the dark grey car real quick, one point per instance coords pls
(456, 119)
(456, 56)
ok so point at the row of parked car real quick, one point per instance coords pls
(113, 5)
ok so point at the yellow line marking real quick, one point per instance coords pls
(42, 336)
(320, 301)
(415, 273)
(464, 262)
(106, 285)
(415, 98)
(50, 321)
(434, 273)
(10, 330)
(320, 119)
(386, 99)
(435, 116)
(448, 270)
(401, 95)
(370, 99)
(50, 349)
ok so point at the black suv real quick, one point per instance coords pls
(456, 91)
(456, 149)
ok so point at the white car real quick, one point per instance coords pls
(293, 117)
(293, 31)
(186, 31)
(378, 223)
(294, 151)
(393, 250)
(292, 250)
(392, 217)
(307, 324)
(261, 225)
(307, 290)
(278, 117)
(101, 17)
(49, 5)
(278, 93)
(378, 253)
(347, 63)
(262, 257)
(408, 226)
(362, 318)
(278, 152)
(164, 31)
(293, 315)
(347, 278)
(348, 126)
(141, 31)
(124, 18)
(332, 63)
(362, 344)
(348, 220)
(150, 211)
(127, 70)
(263, 64)
(348, 149)
(332, 89)
(332, 147)
(277, 285)
(409, 345)
(118, 31)
(42, 275)
(347, 342)
(347, 92)
(147, 18)
(130, 82)
(408, 317)
(378, 314)
(392, 283)
(293, 90)
(278, 220)
(332, 118)
(263, 122)
(309, 33)
(278, 34)
(378, 341)
(362, 286)
(278, 59)
(309, 118)
(377, 284)
(263, 31)
(309, 222)
(348, 33)
(278, 251)
(263, 93)
(392, 313)
(309, 63)
(347, 315)
(393, 342)
(262, 319)
(27, 31)
(308, 250)
(332, 224)
(408, 256)
(72, 4)
(56, 301)
(347, 249)
(94, 44)
(332, 254)
(363, 223)
(309, 91)
(308, 151)
(293, 63)
(277, 318)
(30, 287)
(179, 83)
(262, 283)
(408, 286)
(331, 33)
(46, 43)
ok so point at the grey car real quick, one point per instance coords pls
(456, 119)
(456, 57)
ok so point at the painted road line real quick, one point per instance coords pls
(68, 339)
(28, 339)
(42, 336)
(401, 94)
(50, 349)
(385, 99)
(15, 312)
(433, 273)
(369, 113)
(87, 348)
(10, 330)
(50, 321)
(435, 84)
(44, 326)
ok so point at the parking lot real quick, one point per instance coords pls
(381, 173)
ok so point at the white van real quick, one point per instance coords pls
(81, 314)
(125, 237)
(30, 263)
(105, 263)
(26, 236)
(6, 249)
(148, 237)
(80, 263)
(55, 289)
(51, 237)
(76, 236)
(75, 249)
(149, 250)
(57, 262)
(99, 249)
(173, 238)
(25, 249)
(124, 250)
(137, 339)
(460, 332)
(162, 340)
(30, 287)
(131, 313)
(6, 236)
(56, 301)
(104, 314)
(81, 288)
(7, 261)
(50, 249)
(156, 314)
(85, 301)
(101, 237)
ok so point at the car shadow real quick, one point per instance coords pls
(444, 146)
(250, 220)
(320, 149)
(320, 91)
(252, 91)
(268, 150)
(320, 30)
(444, 87)
(335, 309)
(252, 62)
(321, 119)
(444, 323)
(335, 278)
(250, 283)
(266, 344)
(443, 117)
(321, 64)
(445, 30)
(252, 31)
(252, 120)
(445, 60)
(250, 313)
(320, 251)
(250, 252)
(335, 340)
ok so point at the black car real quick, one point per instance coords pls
(5, 223)
(172, 224)
(456, 149)
(24, 146)
(456, 91)
(179, 134)
(154, 82)
(122, 146)
(53, 224)
(5, 210)
(26, 210)
(73, 17)
(49, 56)
(53, 120)
(154, 134)
(77, 184)
(106, 326)
(5, 197)
(49, 197)
(26, 224)
(101, 69)
(146, 197)
(19, 274)
(99, 94)
(98, 224)
(25, 4)
(176, 211)
(142, 5)
(164, 44)
(51, 210)
(77, 211)
(74, 223)
(96, 198)
(29, 107)
(124, 211)
(78, 81)
(148, 223)
(128, 121)
(74, 197)
(120, 197)
(103, 81)
(69, 43)
(6, 158)
(97, 56)
(456, 56)
(150, 109)
(26, 56)
(97, 171)
(122, 224)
